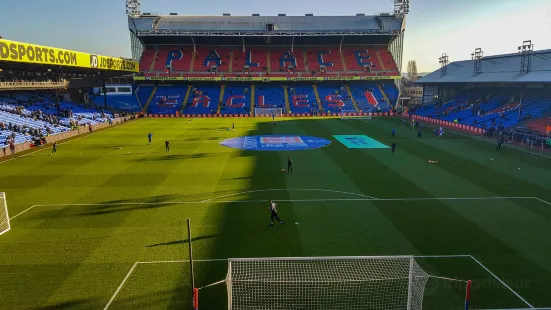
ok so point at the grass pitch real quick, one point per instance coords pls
(82, 219)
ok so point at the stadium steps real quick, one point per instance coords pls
(286, 93)
(192, 65)
(137, 98)
(152, 65)
(352, 98)
(305, 61)
(150, 99)
(269, 61)
(186, 98)
(253, 95)
(343, 64)
(230, 67)
(383, 93)
(382, 66)
(221, 98)
(320, 107)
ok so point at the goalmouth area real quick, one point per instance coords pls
(102, 224)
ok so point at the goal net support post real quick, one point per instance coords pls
(268, 112)
(351, 283)
(4, 217)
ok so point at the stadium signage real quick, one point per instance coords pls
(12, 51)
(263, 79)
(275, 143)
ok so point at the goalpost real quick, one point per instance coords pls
(268, 112)
(4, 217)
(366, 116)
(347, 283)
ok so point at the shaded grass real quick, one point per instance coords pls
(76, 256)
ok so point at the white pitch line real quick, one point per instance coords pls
(293, 189)
(263, 200)
(501, 281)
(373, 199)
(18, 214)
(546, 202)
(120, 286)
(182, 261)
(117, 204)
(288, 258)
(310, 257)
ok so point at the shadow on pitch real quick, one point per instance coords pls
(181, 241)
(170, 157)
(69, 304)
(107, 207)
(239, 178)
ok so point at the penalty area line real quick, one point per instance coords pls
(502, 282)
(120, 286)
(263, 200)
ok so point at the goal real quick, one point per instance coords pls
(268, 112)
(4, 217)
(349, 116)
(336, 283)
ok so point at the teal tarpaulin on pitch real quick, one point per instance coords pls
(359, 142)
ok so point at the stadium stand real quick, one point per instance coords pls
(501, 97)
(334, 97)
(369, 97)
(302, 99)
(28, 117)
(269, 96)
(167, 99)
(237, 99)
(205, 99)
(303, 59)
(231, 74)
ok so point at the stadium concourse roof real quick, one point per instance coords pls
(146, 25)
(495, 69)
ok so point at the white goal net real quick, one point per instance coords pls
(268, 112)
(4, 217)
(332, 283)
(364, 116)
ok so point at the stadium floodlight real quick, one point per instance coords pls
(443, 61)
(526, 50)
(133, 7)
(4, 217)
(401, 7)
(477, 56)
(346, 282)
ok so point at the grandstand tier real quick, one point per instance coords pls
(32, 116)
(232, 64)
(502, 97)
(176, 59)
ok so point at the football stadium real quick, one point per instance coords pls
(268, 162)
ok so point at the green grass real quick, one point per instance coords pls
(108, 205)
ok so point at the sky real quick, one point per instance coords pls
(433, 27)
